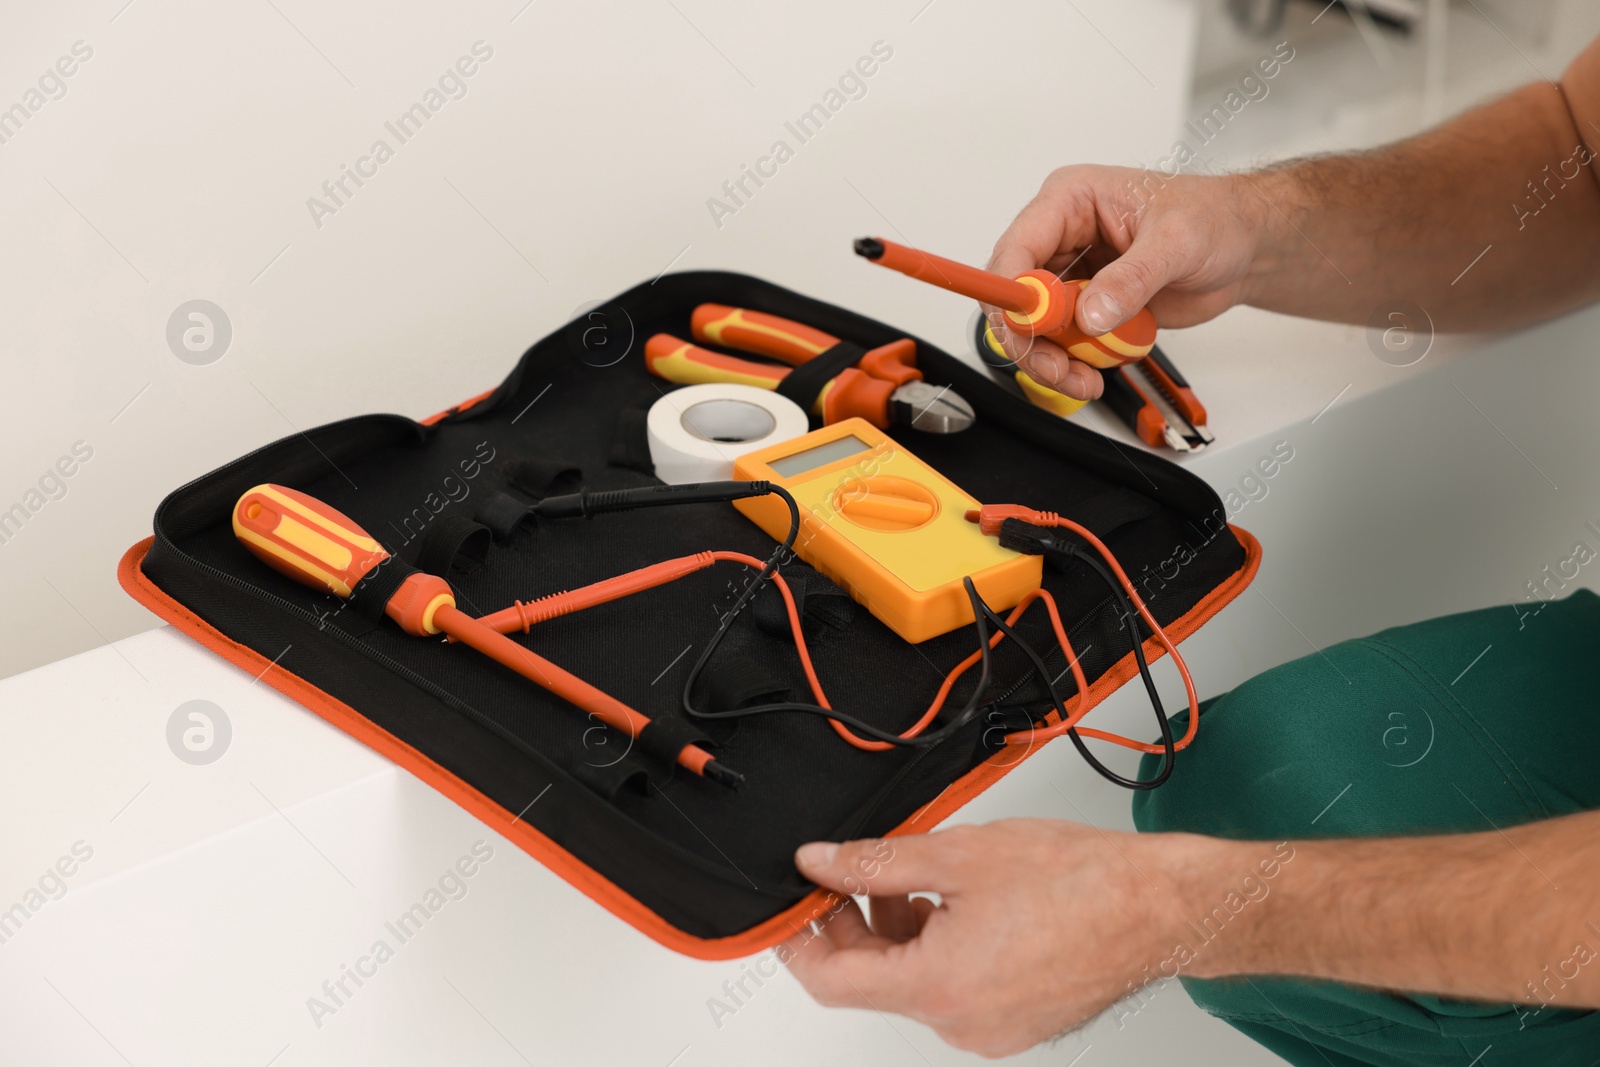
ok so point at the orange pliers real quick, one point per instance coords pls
(885, 387)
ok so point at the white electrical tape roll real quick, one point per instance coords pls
(696, 432)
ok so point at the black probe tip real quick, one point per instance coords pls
(723, 775)
(870, 247)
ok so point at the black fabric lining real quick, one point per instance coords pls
(542, 476)
(454, 543)
(609, 779)
(804, 384)
(710, 862)
(503, 514)
(373, 593)
(816, 599)
(630, 441)
(734, 681)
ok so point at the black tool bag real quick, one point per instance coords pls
(703, 869)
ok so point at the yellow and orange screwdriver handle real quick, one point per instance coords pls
(305, 539)
(1035, 304)
(862, 391)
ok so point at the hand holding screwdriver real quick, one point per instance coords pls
(1034, 304)
(1180, 246)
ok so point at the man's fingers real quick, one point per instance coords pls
(848, 977)
(846, 965)
(1073, 263)
(1045, 362)
(1018, 346)
(848, 928)
(1059, 371)
(1049, 365)
(1033, 237)
(928, 862)
(894, 918)
(1060, 218)
(1127, 284)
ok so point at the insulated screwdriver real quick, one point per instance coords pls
(317, 546)
(1035, 304)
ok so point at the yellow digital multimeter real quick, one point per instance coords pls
(886, 527)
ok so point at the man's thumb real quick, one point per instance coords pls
(876, 866)
(1124, 286)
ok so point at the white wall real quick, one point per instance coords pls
(178, 165)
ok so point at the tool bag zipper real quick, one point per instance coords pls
(852, 828)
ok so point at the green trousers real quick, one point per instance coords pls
(1463, 723)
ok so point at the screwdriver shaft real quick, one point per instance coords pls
(982, 285)
(608, 709)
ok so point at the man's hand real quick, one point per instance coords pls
(1041, 924)
(1179, 245)
(1487, 221)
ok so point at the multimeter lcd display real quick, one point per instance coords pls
(812, 458)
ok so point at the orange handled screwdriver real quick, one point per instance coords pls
(1035, 304)
(305, 539)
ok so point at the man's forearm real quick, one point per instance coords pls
(1512, 916)
(1490, 220)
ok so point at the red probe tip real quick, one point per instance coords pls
(990, 516)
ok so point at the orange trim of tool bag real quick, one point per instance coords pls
(585, 879)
